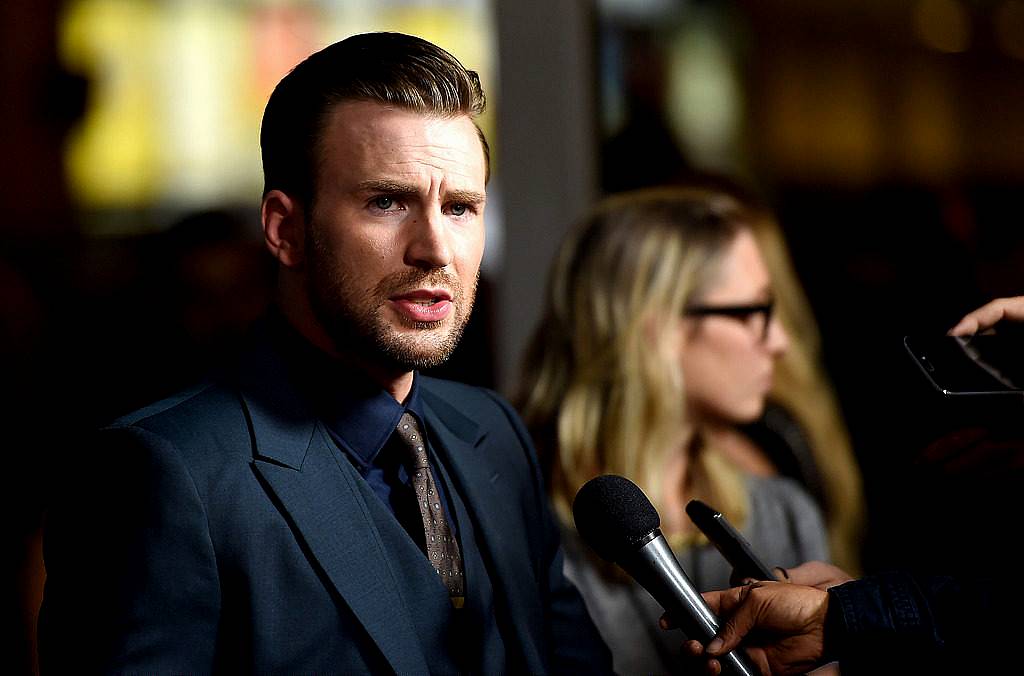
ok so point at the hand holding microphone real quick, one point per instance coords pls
(615, 518)
(789, 619)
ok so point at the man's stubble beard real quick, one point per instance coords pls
(354, 318)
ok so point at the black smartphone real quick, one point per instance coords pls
(733, 546)
(975, 366)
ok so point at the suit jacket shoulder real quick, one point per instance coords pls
(219, 529)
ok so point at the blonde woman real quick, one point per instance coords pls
(659, 330)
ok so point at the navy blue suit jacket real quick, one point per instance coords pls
(220, 530)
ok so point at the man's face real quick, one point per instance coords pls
(396, 234)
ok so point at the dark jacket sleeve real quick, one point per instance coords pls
(575, 646)
(131, 575)
(922, 624)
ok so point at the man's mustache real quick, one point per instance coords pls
(415, 279)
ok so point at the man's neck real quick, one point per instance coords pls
(399, 387)
(395, 382)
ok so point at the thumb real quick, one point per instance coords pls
(741, 610)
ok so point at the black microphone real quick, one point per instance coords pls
(617, 520)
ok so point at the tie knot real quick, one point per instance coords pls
(412, 439)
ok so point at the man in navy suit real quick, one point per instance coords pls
(265, 521)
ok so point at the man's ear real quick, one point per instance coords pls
(284, 228)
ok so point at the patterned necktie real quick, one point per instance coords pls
(442, 549)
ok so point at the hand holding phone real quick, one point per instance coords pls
(975, 366)
(733, 546)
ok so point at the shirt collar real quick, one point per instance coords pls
(358, 411)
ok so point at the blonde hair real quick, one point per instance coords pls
(603, 392)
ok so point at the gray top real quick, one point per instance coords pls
(784, 528)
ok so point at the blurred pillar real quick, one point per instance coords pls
(547, 157)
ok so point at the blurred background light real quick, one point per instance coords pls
(705, 97)
(638, 10)
(177, 91)
(943, 25)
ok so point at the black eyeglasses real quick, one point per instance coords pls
(743, 313)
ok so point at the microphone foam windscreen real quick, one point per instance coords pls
(613, 515)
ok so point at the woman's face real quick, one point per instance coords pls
(730, 343)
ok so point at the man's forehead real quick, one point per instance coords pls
(359, 117)
(371, 137)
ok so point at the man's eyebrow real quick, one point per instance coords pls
(465, 196)
(406, 190)
(388, 187)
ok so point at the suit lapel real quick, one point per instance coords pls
(460, 442)
(320, 497)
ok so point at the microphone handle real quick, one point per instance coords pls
(657, 570)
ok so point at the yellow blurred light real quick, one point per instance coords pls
(111, 156)
(942, 25)
(177, 89)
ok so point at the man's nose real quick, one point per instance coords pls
(428, 245)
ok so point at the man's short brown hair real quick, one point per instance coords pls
(389, 68)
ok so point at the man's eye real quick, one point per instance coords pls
(459, 209)
(383, 203)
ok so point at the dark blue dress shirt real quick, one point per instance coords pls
(361, 418)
